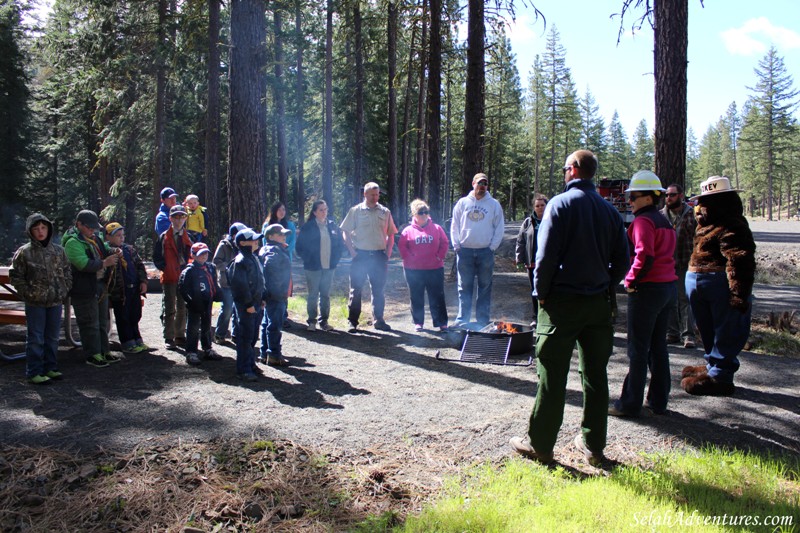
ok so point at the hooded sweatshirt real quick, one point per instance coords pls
(423, 247)
(477, 223)
(40, 271)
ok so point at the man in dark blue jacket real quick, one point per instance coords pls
(199, 289)
(277, 271)
(246, 277)
(582, 252)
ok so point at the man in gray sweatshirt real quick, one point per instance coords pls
(476, 231)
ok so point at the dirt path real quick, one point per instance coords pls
(352, 394)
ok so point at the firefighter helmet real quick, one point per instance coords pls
(644, 180)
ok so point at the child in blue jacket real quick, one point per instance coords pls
(199, 288)
(246, 278)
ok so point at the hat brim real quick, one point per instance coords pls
(693, 198)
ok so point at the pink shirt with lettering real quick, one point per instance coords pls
(423, 248)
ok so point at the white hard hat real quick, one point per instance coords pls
(644, 180)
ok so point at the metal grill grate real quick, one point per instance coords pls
(490, 350)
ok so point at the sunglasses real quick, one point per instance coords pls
(634, 197)
(483, 182)
(672, 194)
(423, 212)
(567, 168)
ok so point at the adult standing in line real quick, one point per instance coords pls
(680, 327)
(423, 246)
(171, 254)
(650, 284)
(720, 287)
(476, 231)
(582, 252)
(168, 199)
(320, 246)
(525, 251)
(368, 231)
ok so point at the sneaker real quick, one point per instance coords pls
(211, 355)
(382, 325)
(39, 380)
(248, 377)
(130, 349)
(54, 374)
(312, 326)
(689, 343)
(444, 328)
(219, 340)
(417, 327)
(193, 359)
(593, 458)
(324, 326)
(139, 348)
(523, 447)
(353, 328)
(97, 360)
(257, 370)
(111, 358)
(277, 360)
(169, 344)
(613, 411)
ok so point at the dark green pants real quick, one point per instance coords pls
(563, 321)
(91, 316)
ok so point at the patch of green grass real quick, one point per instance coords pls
(677, 492)
(768, 341)
(337, 318)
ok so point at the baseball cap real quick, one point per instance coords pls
(247, 234)
(114, 227)
(276, 228)
(89, 219)
(168, 192)
(200, 248)
(235, 228)
(177, 210)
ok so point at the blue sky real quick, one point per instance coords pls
(726, 41)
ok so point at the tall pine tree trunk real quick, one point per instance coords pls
(358, 152)
(405, 150)
(671, 43)
(474, 107)
(212, 140)
(280, 107)
(391, 160)
(419, 167)
(327, 150)
(246, 143)
(159, 163)
(434, 108)
(299, 118)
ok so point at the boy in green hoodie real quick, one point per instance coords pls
(90, 256)
(40, 273)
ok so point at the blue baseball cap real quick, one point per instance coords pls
(168, 192)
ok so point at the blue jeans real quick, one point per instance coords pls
(198, 320)
(319, 293)
(372, 265)
(472, 262)
(225, 314)
(41, 344)
(272, 328)
(432, 281)
(246, 337)
(723, 330)
(648, 314)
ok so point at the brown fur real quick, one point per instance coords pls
(723, 241)
(705, 385)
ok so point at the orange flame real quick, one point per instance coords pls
(506, 327)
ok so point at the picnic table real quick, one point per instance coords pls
(17, 316)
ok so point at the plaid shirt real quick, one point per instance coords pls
(685, 225)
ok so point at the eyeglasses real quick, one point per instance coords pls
(483, 182)
(672, 194)
(567, 168)
(423, 212)
(634, 197)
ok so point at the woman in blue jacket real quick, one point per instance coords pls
(320, 246)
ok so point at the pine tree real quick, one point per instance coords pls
(644, 151)
(620, 154)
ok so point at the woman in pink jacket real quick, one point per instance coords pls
(423, 246)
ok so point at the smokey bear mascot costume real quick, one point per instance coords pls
(719, 285)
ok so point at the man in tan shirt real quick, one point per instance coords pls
(368, 231)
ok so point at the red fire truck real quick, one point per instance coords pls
(614, 192)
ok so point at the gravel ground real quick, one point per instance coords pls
(354, 394)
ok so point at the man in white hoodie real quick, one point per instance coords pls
(476, 231)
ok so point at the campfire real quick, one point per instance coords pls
(501, 327)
